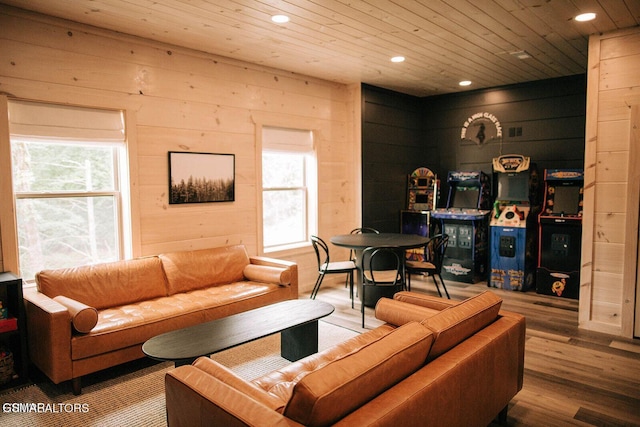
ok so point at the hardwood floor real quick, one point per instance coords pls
(572, 377)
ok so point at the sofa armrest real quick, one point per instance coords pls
(398, 313)
(49, 326)
(267, 274)
(83, 317)
(273, 262)
(428, 301)
(195, 398)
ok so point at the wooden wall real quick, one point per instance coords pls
(183, 100)
(612, 185)
(392, 147)
(402, 133)
(550, 113)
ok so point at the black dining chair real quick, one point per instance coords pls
(352, 253)
(382, 267)
(326, 266)
(434, 251)
(360, 230)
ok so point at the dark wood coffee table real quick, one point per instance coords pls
(296, 320)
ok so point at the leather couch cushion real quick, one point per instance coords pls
(189, 270)
(455, 324)
(280, 382)
(398, 313)
(108, 284)
(328, 394)
(267, 274)
(83, 317)
(132, 324)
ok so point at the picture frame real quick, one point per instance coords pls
(201, 177)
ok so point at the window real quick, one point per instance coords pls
(68, 181)
(288, 188)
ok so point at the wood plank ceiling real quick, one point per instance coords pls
(347, 41)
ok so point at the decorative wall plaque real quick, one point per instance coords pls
(481, 128)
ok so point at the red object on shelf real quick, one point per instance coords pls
(8, 325)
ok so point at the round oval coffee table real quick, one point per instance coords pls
(296, 320)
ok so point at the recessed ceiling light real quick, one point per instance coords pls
(397, 59)
(280, 19)
(465, 83)
(583, 17)
(520, 54)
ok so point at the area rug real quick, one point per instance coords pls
(132, 395)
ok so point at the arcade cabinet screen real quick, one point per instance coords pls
(466, 198)
(566, 200)
(422, 198)
(513, 186)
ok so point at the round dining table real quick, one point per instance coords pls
(359, 242)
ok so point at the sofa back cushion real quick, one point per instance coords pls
(106, 285)
(191, 270)
(457, 323)
(338, 388)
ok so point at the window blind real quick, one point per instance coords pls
(281, 139)
(55, 121)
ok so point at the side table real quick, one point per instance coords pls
(13, 333)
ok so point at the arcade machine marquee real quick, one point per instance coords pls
(465, 221)
(560, 234)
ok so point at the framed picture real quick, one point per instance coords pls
(201, 177)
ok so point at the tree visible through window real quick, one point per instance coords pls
(70, 186)
(284, 199)
(288, 187)
(66, 204)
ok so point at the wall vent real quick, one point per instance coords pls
(516, 131)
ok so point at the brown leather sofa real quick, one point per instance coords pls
(82, 320)
(434, 362)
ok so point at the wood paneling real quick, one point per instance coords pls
(444, 41)
(551, 114)
(612, 161)
(401, 133)
(392, 147)
(184, 100)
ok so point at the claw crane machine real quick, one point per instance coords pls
(513, 223)
(560, 234)
(465, 220)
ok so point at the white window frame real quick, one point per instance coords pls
(284, 140)
(128, 230)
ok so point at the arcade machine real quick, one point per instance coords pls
(560, 234)
(422, 197)
(513, 223)
(466, 221)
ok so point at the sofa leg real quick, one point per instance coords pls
(76, 385)
(502, 416)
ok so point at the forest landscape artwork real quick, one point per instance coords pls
(201, 177)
